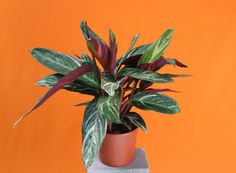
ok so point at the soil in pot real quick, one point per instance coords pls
(119, 146)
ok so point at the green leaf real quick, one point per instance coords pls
(157, 49)
(89, 33)
(64, 64)
(145, 75)
(75, 86)
(56, 61)
(137, 120)
(85, 57)
(176, 75)
(109, 107)
(93, 132)
(65, 80)
(112, 36)
(109, 84)
(134, 40)
(127, 123)
(156, 102)
(82, 104)
(136, 51)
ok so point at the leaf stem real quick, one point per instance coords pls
(109, 124)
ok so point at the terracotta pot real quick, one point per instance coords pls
(118, 149)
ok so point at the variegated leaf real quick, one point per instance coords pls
(85, 57)
(88, 32)
(65, 80)
(63, 64)
(75, 86)
(145, 75)
(136, 51)
(134, 40)
(93, 132)
(127, 123)
(157, 49)
(156, 102)
(137, 120)
(109, 107)
(176, 75)
(109, 84)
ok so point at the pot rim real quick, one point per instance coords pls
(123, 134)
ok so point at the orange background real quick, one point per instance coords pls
(200, 139)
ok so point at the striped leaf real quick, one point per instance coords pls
(156, 102)
(134, 40)
(109, 107)
(145, 75)
(98, 47)
(85, 57)
(75, 86)
(65, 80)
(127, 123)
(88, 32)
(159, 63)
(136, 51)
(137, 120)
(176, 75)
(93, 133)
(58, 62)
(109, 84)
(157, 49)
(63, 64)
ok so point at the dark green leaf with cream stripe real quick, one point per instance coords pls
(156, 102)
(75, 86)
(109, 84)
(157, 48)
(109, 107)
(136, 51)
(63, 64)
(88, 32)
(145, 75)
(137, 120)
(93, 133)
(133, 41)
(85, 57)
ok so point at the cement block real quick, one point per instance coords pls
(139, 165)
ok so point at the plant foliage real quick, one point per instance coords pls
(121, 83)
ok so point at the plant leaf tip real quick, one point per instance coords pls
(17, 122)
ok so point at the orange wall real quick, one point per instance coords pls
(201, 139)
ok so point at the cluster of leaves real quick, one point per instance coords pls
(117, 87)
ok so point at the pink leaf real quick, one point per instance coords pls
(159, 63)
(68, 78)
(150, 90)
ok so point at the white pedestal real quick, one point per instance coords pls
(139, 165)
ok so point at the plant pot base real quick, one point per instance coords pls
(118, 149)
(138, 165)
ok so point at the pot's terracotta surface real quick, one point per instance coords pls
(118, 149)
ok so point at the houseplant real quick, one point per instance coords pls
(117, 87)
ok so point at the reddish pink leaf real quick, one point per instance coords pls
(70, 77)
(150, 90)
(132, 61)
(159, 63)
(112, 55)
(100, 51)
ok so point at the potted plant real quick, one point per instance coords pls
(109, 124)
